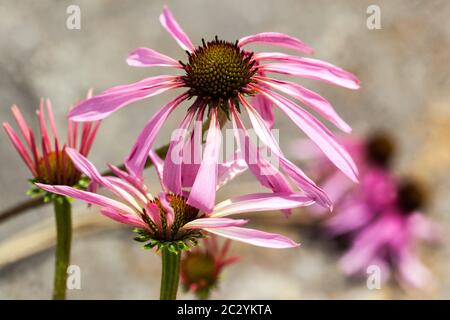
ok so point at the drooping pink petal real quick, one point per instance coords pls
(412, 272)
(86, 167)
(170, 214)
(254, 237)
(297, 175)
(102, 105)
(123, 218)
(171, 25)
(258, 202)
(202, 223)
(229, 170)
(312, 72)
(88, 197)
(309, 98)
(152, 210)
(324, 71)
(323, 137)
(174, 157)
(20, 148)
(192, 153)
(266, 173)
(277, 39)
(203, 192)
(265, 108)
(135, 161)
(146, 57)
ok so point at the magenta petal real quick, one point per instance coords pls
(135, 161)
(203, 192)
(102, 105)
(145, 57)
(88, 197)
(323, 137)
(257, 202)
(311, 99)
(125, 219)
(255, 237)
(174, 156)
(265, 108)
(171, 25)
(312, 72)
(86, 167)
(158, 164)
(295, 173)
(277, 39)
(229, 170)
(214, 223)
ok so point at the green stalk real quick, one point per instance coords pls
(63, 217)
(170, 274)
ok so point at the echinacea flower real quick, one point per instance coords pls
(219, 76)
(390, 240)
(379, 220)
(49, 163)
(167, 219)
(202, 266)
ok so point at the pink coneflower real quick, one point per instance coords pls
(389, 241)
(167, 217)
(221, 75)
(49, 163)
(202, 266)
(379, 220)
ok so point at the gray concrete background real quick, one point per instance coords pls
(404, 68)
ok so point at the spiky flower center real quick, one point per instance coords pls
(57, 168)
(379, 149)
(410, 197)
(218, 70)
(183, 213)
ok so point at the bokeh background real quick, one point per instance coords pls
(404, 68)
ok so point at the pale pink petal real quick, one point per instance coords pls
(86, 167)
(311, 73)
(102, 105)
(122, 218)
(277, 39)
(309, 98)
(20, 148)
(203, 192)
(309, 68)
(323, 137)
(202, 223)
(297, 175)
(170, 214)
(229, 170)
(258, 202)
(254, 237)
(145, 57)
(135, 161)
(171, 25)
(265, 108)
(412, 272)
(89, 197)
(174, 157)
(158, 164)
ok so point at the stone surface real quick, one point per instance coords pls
(405, 89)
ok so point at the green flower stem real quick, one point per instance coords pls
(170, 274)
(63, 217)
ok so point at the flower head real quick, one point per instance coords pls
(223, 75)
(380, 220)
(49, 163)
(167, 219)
(202, 266)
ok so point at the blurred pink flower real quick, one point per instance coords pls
(50, 163)
(380, 219)
(168, 217)
(221, 75)
(202, 266)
